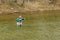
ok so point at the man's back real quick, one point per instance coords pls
(19, 19)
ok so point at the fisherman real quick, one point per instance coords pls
(19, 21)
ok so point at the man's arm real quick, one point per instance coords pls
(22, 18)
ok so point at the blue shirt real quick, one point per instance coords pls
(19, 19)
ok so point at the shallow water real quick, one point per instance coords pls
(36, 26)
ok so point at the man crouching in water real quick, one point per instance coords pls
(19, 21)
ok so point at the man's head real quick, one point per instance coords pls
(20, 16)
